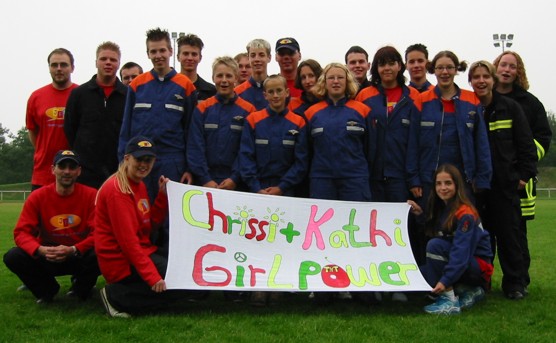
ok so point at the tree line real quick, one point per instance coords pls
(16, 154)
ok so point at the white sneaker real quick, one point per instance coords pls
(112, 312)
(443, 305)
(469, 297)
(399, 296)
(344, 295)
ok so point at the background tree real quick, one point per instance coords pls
(549, 159)
(16, 156)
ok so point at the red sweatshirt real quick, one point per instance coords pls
(50, 219)
(123, 224)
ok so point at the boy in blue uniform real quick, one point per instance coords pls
(274, 155)
(215, 133)
(159, 105)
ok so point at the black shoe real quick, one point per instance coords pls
(515, 295)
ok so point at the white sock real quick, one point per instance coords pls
(450, 295)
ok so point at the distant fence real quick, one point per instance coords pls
(14, 195)
(545, 192)
(22, 195)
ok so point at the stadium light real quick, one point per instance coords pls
(175, 36)
(503, 40)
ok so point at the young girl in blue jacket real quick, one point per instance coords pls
(459, 256)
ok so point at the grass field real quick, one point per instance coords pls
(295, 319)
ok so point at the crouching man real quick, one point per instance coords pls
(54, 234)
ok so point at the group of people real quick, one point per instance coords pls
(461, 159)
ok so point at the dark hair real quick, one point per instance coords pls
(156, 35)
(130, 65)
(385, 55)
(61, 51)
(190, 39)
(315, 67)
(460, 66)
(417, 47)
(356, 49)
(436, 205)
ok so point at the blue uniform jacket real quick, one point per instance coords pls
(469, 239)
(159, 110)
(214, 138)
(340, 137)
(274, 146)
(426, 142)
(389, 133)
(252, 92)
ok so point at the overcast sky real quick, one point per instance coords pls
(325, 30)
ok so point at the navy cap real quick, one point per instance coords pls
(64, 155)
(140, 146)
(287, 43)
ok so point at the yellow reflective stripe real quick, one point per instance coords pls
(540, 150)
(528, 212)
(500, 124)
(528, 204)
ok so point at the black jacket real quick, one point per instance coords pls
(536, 116)
(513, 152)
(92, 125)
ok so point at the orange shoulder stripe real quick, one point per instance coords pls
(256, 117)
(314, 109)
(141, 80)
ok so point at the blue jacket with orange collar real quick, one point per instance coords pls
(340, 137)
(274, 146)
(160, 110)
(426, 142)
(469, 240)
(389, 133)
(214, 138)
(252, 92)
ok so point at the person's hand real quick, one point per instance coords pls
(228, 184)
(273, 191)
(521, 184)
(159, 287)
(187, 178)
(55, 254)
(417, 192)
(415, 208)
(439, 288)
(162, 181)
(211, 184)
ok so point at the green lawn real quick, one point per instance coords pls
(295, 319)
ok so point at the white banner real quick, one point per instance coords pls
(225, 240)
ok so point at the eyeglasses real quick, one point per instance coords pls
(335, 77)
(448, 68)
(55, 65)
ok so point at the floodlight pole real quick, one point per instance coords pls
(503, 40)
(175, 36)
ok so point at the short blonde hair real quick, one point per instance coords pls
(228, 62)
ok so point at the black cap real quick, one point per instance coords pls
(140, 146)
(63, 155)
(287, 43)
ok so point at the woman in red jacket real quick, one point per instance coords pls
(124, 219)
